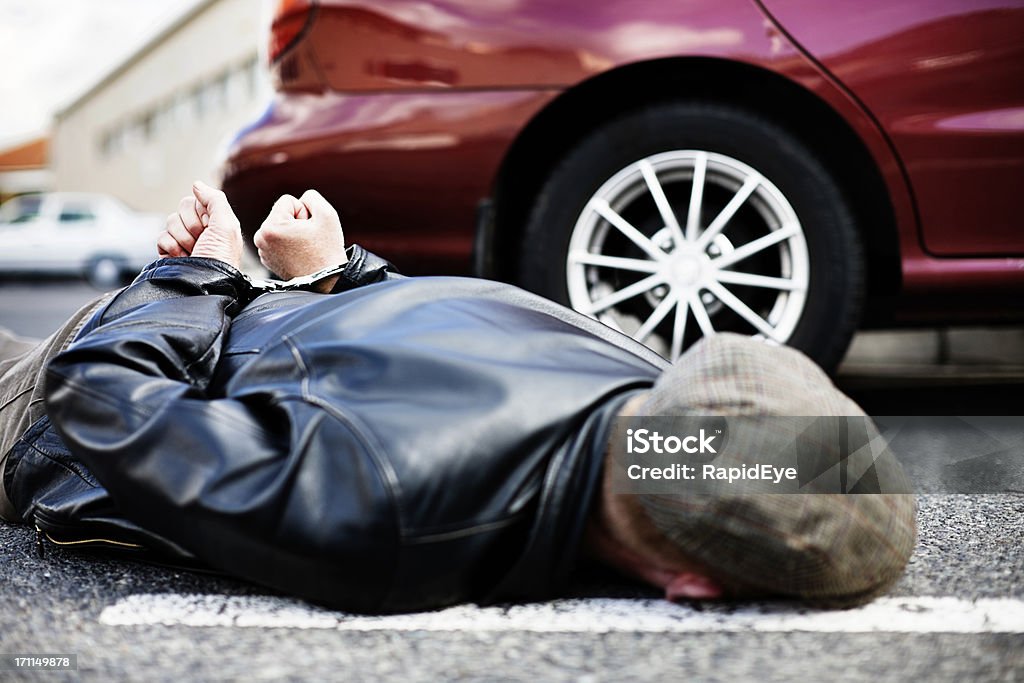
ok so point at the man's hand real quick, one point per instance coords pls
(204, 226)
(301, 236)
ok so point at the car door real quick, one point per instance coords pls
(76, 232)
(943, 78)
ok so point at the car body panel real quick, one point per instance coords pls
(398, 44)
(948, 93)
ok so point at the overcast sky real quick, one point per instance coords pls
(53, 50)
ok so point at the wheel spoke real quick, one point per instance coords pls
(638, 238)
(726, 214)
(751, 280)
(760, 244)
(638, 287)
(744, 311)
(679, 328)
(636, 264)
(664, 208)
(656, 316)
(700, 314)
(700, 166)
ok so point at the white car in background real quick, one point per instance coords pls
(76, 233)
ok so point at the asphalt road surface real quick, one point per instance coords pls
(37, 308)
(957, 614)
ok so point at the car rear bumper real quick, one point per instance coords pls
(378, 158)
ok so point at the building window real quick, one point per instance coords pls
(112, 142)
(106, 144)
(133, 134)
(182, 109)
(252, 75)
(219, 91)
(147, 126)
(163, 117)
(199, 99)
(238, 87)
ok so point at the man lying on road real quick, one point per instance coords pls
(378, 443)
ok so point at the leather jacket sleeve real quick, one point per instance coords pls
(363, 268)
(239, 481)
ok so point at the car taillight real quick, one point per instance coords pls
(289, 20)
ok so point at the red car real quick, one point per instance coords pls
(783, 168)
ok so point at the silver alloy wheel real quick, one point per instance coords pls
(737, 261)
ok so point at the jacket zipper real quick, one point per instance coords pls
(45, 534)
(95, 542)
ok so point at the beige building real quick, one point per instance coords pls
(161, 118)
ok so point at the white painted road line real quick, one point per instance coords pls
(595, 615)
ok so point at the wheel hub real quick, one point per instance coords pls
(685, 270)
(680, 261)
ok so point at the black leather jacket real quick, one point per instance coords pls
(402, 444)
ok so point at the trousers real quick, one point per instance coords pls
(22, 374)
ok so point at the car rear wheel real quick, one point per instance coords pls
(684, 220)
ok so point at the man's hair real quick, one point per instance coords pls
(833, 548)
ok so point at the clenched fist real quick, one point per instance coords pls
(204, 226)
(301, 236)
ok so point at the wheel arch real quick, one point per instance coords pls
(576, 112)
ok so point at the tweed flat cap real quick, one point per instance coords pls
(833, 548)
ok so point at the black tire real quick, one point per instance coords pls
(832, 308)
(105, 272)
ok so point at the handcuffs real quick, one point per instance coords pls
(295, 282)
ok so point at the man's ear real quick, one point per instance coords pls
(691, 586)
